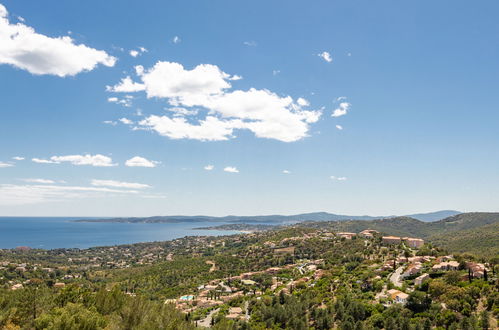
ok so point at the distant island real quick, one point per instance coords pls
(271, 219)
(243, 227)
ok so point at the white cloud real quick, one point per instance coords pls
(286, 172)
(250, 43)
(326, 56)
(275, 72)
(126, 121)
(119, 184)
(42, 181)
(266, 114)
(179, 111)
(209, 167)
(341, 178)
(176, 40)
(339, 127)
(126, 85)
(209, 129)
(341, 110)
(138, 161)
(18, 158)
(231, 169)
(135, 52)
(110, 122)
(3, 165)
(21, 46)
(32, 194)
(126, 101)
(93, 160)
(303, 102)
(43, 161)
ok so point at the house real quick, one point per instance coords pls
(16, 287)
(398, 296)
(391, 239)
(413, 269)
(346, 235)
(234, 313)
(446, 265)
(420, 279)
(368, 233)
(414, 243)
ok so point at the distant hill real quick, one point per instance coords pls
(277, 219)
(476, 232)
(433, 216)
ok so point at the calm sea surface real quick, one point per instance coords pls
(50, 233)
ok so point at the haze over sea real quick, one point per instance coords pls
(63, 232)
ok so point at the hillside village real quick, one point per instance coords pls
(232, 275)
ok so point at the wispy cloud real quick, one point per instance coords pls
(209, 167)
(11, 194)
(92, 160)
(3, 165)
(42, 181)
(336, 178)
(18, 158)
(119, 184)
(286, 172)
(250, 43)
(231, 169)
(138, 161)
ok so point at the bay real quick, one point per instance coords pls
(64, 232)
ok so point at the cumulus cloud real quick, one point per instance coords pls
(18, 158)
(286, 172)
(209, 167)
(3, 164)
(22, 47)
(137, 52)
(92, 160)
(341, 110)
(110, 122)
(303, 102)
(206, 87)
(339, 127)
(231, 169)
(126, 85)
(138, 161)
(176, 40)
(326, 56)
(11, 194)
(119, 184)
(336, 178)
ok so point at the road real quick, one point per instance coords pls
(395, 278)
(206, 322)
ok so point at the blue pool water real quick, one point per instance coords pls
(50, 233)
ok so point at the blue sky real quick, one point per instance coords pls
(262, 107)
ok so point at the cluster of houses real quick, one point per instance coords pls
(414, 243)
(220, 291)
(416, 265)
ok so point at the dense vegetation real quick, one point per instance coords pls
(299, 277)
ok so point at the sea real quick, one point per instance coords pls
(64, 232)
